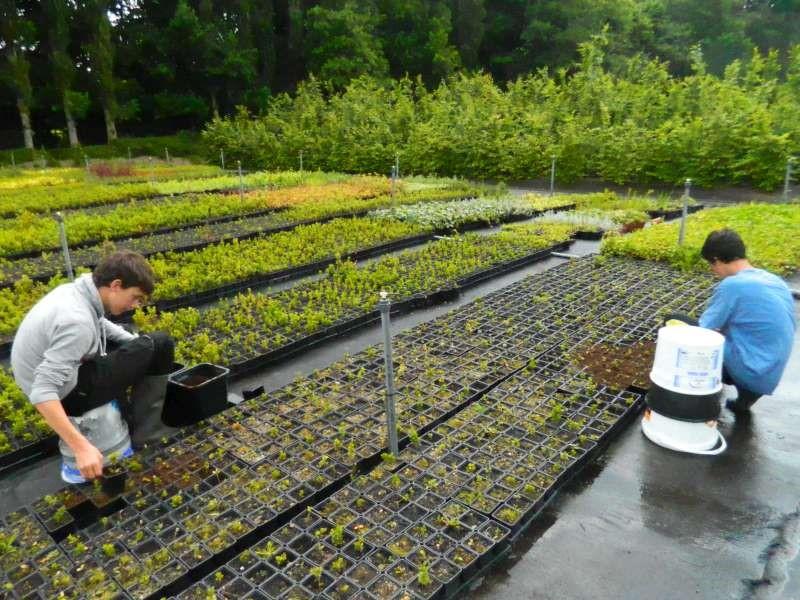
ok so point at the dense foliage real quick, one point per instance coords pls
(638, 125)
(769, 232)
(74, 70)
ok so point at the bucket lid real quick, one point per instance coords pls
(691, 335)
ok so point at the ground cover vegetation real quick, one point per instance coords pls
(76, 71)
(768, 231)
(44, 197)
(111, 171)
(496, 416)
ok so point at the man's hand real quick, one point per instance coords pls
(89, 460)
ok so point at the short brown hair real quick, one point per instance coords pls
(129, 267)
(724, 245)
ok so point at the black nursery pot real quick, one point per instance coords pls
(194, 394)
(113, 482)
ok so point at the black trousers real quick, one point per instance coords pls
(746, 398)
(107, 378)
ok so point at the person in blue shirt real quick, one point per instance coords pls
(754, 310)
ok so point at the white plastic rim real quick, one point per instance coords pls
(682, 436)
(688, 360)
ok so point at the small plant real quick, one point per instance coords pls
(109, 550)
(423, 574)
(338, 565)
(337, 536)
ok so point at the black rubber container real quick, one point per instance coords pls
(683, 407)
(194, 394)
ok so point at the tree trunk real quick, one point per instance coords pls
(214, 105)
(25, 117)
(111, 127)
(72, 129)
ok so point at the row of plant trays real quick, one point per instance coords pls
(348, 394)
(406, 529)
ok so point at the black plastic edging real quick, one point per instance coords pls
(35, 451)
(674, 213)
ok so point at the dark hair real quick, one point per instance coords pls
(128, 266)
(724, 245)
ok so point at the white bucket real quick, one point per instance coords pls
(688, 360)
(683, 436)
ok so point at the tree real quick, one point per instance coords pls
(101, 56)
(343, 45)
(416, 36)
(468, 28)
(17, 33)
(74, 104)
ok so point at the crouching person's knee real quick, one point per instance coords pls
(163, 353)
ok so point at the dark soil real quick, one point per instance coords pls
(616, 366)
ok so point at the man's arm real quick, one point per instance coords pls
(69, 343)
(87, 457)
(115, 332)
(719, 309)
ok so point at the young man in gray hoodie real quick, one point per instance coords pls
(62, 361)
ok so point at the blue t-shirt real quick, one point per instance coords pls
(754, 310)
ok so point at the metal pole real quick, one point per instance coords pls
(222, 158)
(150, 163)
(129, 152)
(301, 162)
(62, 230)
(86, 162)
(553, 176)
(13, 160)
(787, 181)
(166, 153)
(241, 181)
(391, 416)
(684, 211)
(397, 165)
(393, 179)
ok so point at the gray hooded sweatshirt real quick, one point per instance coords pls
(63, 329)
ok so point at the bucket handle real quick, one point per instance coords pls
(722, 446)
